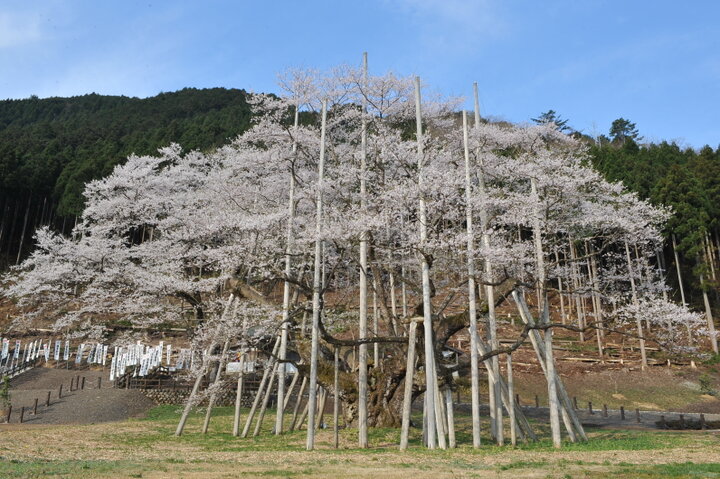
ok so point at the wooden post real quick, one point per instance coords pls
(605, 413)
(22, 414)
(99, 383)
(82, 385)
(238, 396)
(637, 415)
(336, 399)
(47, 401)
(430, 379)
(266, 399)
(218, 375)
(511, 410)
(407, 394)
(59, 393)
(622, 413)
(315, 338)
(472, 308)
(537, 401)
(35, 407)
(703, 425)
(682, 421)
(193, 393)
(7, 418)
(291, 389)
(298, 401)
(590, 409)
(362, 349)
(450, 418)
(266, 377)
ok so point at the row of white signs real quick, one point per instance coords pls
(145, 358)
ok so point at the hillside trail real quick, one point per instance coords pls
(82, 406)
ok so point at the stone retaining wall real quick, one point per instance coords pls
(180, 396)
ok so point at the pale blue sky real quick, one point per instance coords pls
(654, 62)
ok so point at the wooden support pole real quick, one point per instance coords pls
(213, 395)
(82, 384)
(298, 401)
(622, 413)
(407, 394)
(266, 399)
(336, 399)
(22, 414)
(99, 382)
(450, 418)
(315, 337)
(590, 409)
(637, 415)
(59, 392)
(47, 401)
(472, 307)
(291, 389)
(266, 377)
(35, 407)
(196, 387)
(430, 379)
(9, 412)
(511, 410)
(605, 412)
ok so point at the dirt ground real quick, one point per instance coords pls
(80, 406)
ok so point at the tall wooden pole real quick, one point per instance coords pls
(430, 380)
(362, 350)
(472, 306)
(541, 277)
(310, 444)
(495, 400)
(286, 292)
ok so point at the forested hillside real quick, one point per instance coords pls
(49, 148)
(689, 182)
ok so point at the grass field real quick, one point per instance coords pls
(147, 448)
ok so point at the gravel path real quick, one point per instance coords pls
(81, 406)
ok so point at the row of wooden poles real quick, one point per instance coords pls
(76, 383)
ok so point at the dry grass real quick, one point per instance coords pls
(147, 448)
